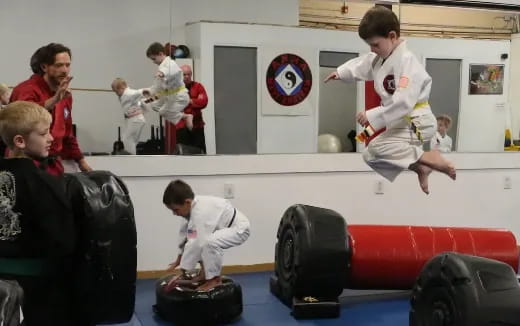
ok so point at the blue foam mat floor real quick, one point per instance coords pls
(358, 308)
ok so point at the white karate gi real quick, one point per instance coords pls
(133, 110)
(442, 144)
(404, 87)
(170, 105)
(214, 224)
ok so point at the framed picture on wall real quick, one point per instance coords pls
(486, 79)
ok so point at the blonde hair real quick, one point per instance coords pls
(445, 118)
(21, 118)
(3, 89)
(118, 82)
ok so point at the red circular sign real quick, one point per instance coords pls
(289, 79)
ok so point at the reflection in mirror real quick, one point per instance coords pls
(106, 42)
(445, 99)
(110, 41)
(235, 75)
(337, 107)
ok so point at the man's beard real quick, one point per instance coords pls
(55, 80)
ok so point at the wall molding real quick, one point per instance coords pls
(212, 165)
(231, 269)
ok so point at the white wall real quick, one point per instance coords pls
(107, 39)
(481, 126)
(514, 85)
(265, 185)
(275, 12)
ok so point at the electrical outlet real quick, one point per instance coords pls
(508, 183)
(229, 190)
(379, 188)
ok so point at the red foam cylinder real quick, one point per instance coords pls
(391, 257)
(170, 139)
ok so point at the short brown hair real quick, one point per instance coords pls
(155, 48)
(378, 21)
(177, 192)
(21, 118)
(445, 118)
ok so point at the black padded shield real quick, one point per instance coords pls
(461, 290)
(106, 258)
(311, 254)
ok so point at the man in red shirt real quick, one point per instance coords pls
(49, 87)
(198, 101)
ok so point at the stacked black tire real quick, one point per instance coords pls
(221, 304)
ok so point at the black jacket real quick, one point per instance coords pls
(36, 219)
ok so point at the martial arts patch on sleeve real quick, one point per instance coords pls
(403, 82)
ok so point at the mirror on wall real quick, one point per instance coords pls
(109, 41)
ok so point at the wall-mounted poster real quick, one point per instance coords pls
(486, 79)
(288, 81)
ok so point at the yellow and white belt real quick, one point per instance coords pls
(412, 125)
(170, 91)
(165, 92)
(369, 131)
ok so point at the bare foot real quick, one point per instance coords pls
(434, 160)
(423, 172)
(187, 284)
(210, 284)
(199, 277)
(451, 171)
(174, 282)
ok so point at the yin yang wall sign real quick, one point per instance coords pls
(288, 79)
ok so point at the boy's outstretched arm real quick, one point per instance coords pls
(332, 76)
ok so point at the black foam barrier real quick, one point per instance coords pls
(105, 264)
(461, 290)
(11, 299)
